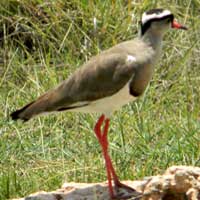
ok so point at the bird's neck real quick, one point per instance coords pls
(154, 40)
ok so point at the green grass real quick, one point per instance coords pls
(42, 42)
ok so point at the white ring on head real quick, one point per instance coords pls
(146, 17)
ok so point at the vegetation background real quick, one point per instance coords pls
(42, 43)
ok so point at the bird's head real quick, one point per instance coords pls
(159, 21)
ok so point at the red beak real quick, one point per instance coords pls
(176, 25)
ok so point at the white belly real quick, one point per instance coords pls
(108, 104)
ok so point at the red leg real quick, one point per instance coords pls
(102, 138)
(128, 191)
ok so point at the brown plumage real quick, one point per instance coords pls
(102, 76)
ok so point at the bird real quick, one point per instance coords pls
(114, 77)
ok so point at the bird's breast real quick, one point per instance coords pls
(140, 80)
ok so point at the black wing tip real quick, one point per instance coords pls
(15, 116)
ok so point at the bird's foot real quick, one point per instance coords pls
(123, 192)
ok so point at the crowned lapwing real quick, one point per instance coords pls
(108, 81)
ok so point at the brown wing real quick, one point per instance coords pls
(102, 76)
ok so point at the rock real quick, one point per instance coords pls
(177, 183)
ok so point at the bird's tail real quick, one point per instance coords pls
(41, 105)
(20, 114)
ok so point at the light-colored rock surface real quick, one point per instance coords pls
(177, 183)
